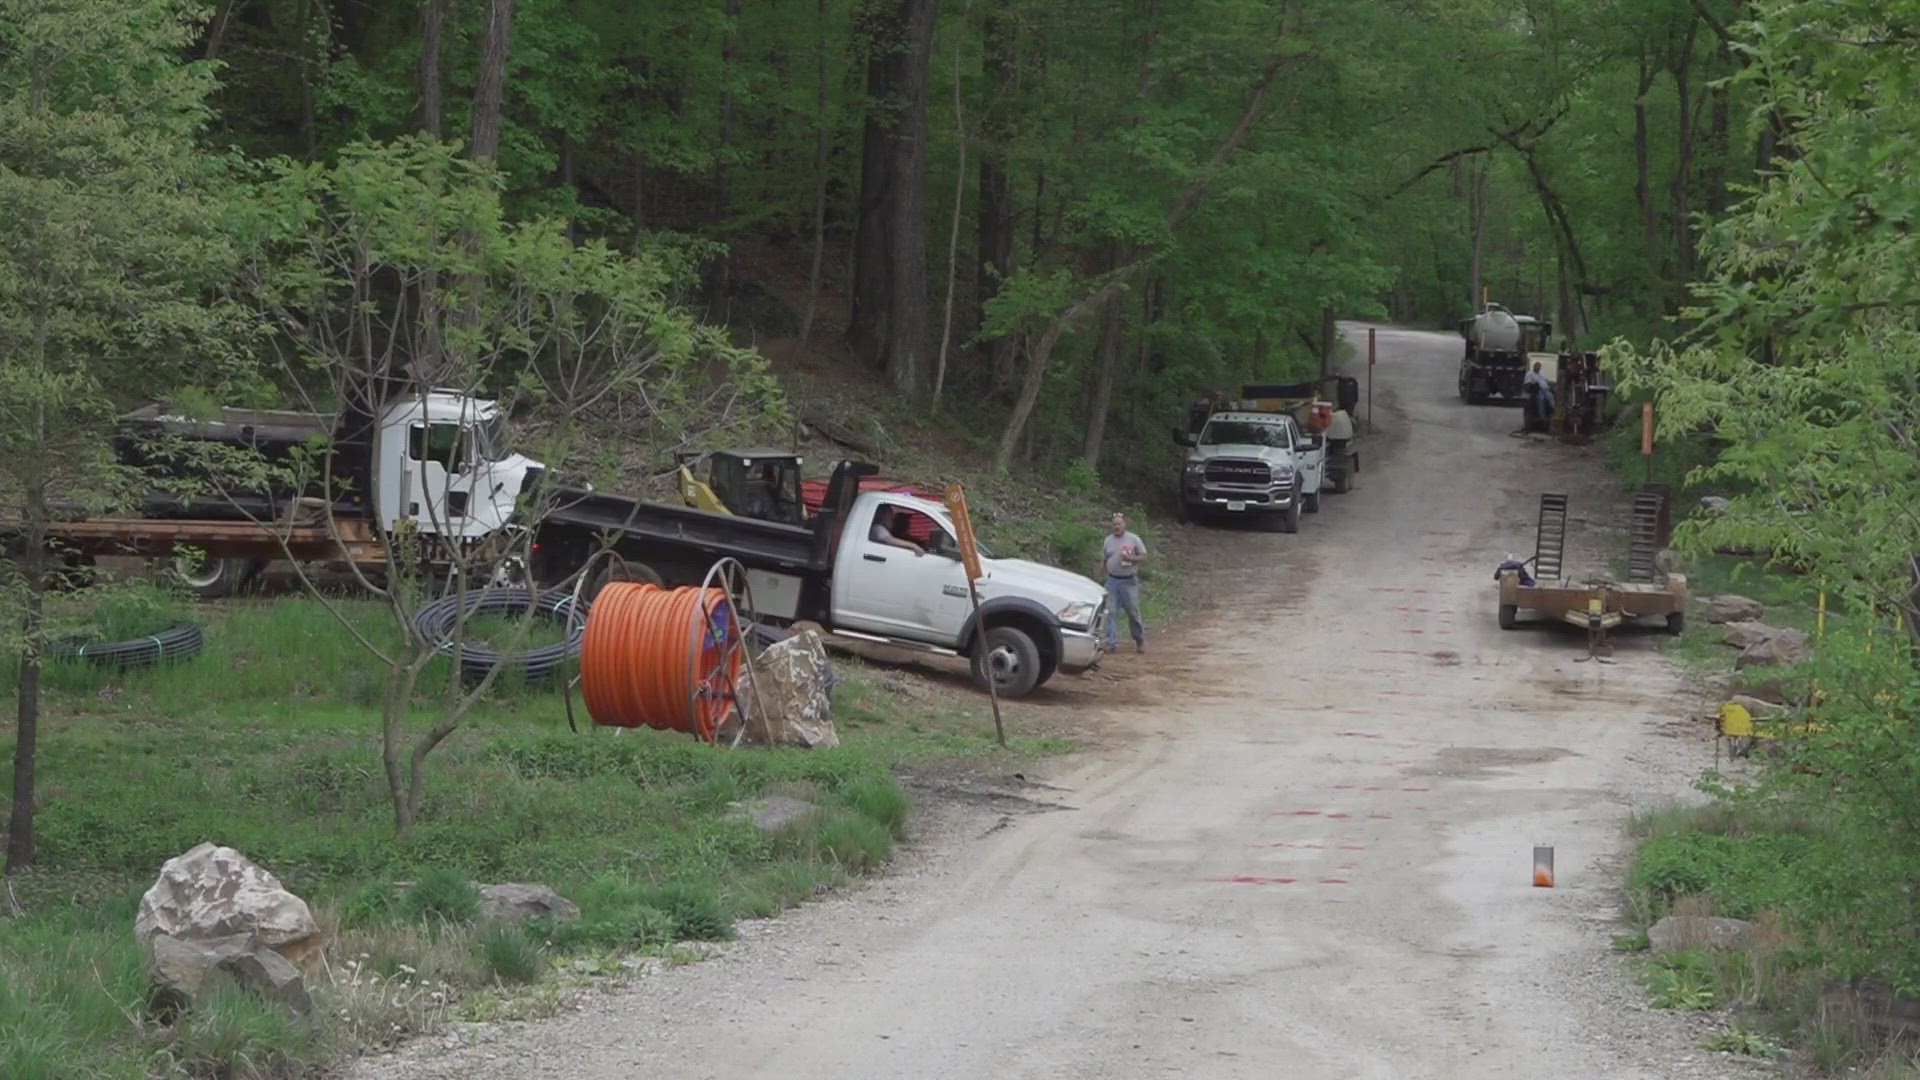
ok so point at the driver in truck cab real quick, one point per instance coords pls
(884, 521)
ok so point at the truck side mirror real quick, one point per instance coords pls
(1182, 438)
(1315, 442)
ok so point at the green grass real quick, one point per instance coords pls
(268, 743)
(509, 955)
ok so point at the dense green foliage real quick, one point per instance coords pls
(1803, 365)
(1800, 368)
(1401, 157)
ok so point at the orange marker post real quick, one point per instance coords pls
(970, 561)
(1543, 867)
(1646, 437)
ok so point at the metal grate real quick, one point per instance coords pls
(1644, 537)
(1550, 543)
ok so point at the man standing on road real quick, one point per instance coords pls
(1121, 556)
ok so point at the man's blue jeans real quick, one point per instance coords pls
(1125, 593)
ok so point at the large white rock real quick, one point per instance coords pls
(789, 704)
(215, 892)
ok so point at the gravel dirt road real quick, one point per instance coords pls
(1301, 850)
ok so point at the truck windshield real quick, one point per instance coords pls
(491, 437)
(1244, 433)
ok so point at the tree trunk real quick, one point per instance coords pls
(723, 170)
(820, 160)
(32, 560)
(217, 28)
(889, 320)
(1719, 145)
(1106, 366)
(433, 18)
(1643, 174)
(1683, 167)
(1328, 335)
(394, 709)
(639, 160)
(495, 43)
(959, 204)
(309, 119)
(994, 257)
(1477, 225)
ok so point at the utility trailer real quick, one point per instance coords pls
(1648, 593)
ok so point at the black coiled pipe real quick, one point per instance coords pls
(177, 642)
(435, 623)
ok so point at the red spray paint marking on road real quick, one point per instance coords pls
(1340, 816)
(1353, 847)
(1380, 817)
(1244, 879)
(1308, 845)
(1416, 787)
(1360, 735)
(1398, 652)
(1335, 881)
(1295, 813)
(1342, 787)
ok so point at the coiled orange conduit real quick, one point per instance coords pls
(661, 658)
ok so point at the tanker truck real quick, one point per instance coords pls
(1500, 347)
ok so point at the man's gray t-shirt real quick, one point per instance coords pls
(1117, 567)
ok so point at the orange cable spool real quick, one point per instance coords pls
(667, 659)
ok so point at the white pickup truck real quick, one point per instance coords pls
(1038, 618)
(1252, 464)
(1034, 620)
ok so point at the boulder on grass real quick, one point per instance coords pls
(1771, 691)
(1783, 648)
(514, 903)
(778, 813)
(787, 702)
(1678, 933)
(1731, 608)
(215, 892)
(183, 971)
(1746, 633)
(1758, 709)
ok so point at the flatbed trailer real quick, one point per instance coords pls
(1649, 593)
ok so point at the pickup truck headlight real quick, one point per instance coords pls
(1193, 468)
(1078, 613)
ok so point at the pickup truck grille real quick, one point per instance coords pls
(1238, 471)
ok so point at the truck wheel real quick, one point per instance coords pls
(1509, 617)
(1312, 502)
(1676, 623)
(214, 579)
(1012, 659)
(1289, 522)
(610, 572)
